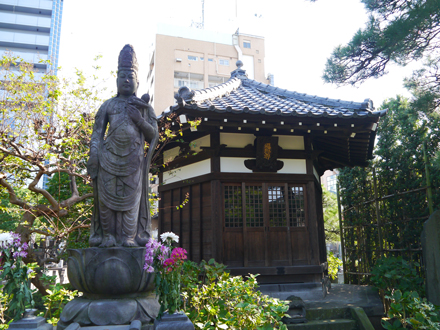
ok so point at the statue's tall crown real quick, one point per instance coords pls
(127, 59)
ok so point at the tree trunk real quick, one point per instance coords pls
(25, 234)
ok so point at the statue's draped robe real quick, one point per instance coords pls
(121, 188)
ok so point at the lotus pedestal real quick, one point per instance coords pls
(116, 290)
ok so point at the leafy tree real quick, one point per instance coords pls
(45, 129)
(400, 167)
(331, 217)
(45, 124)
(398, 31)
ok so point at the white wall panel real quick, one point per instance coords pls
(236, 140)
(234, 165)
(315, 172)
(204, 141)
(187, 172)
(169, 155)
(293, 166)
(290, 142)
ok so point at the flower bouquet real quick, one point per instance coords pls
(15, 273)
(166, 262)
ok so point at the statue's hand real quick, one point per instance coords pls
(134, 114)
(142, 103)
(92, 166)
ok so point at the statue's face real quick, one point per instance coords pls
(127, 82)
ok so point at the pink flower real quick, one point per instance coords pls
(162, 258)
(152, 244)
(148, 268)
(148, 259)
(22, 254)
(164, 250)
(168, 262)
(179, 254)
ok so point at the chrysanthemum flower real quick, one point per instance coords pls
(169, 262)
(169, 235)
(179, 253)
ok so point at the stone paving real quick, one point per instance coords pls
(340, 295)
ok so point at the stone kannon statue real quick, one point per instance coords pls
(118, 163)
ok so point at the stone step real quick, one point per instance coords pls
(333, 324)
(327, 313)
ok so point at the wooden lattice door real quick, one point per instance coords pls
(264, 224)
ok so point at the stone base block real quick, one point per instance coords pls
(109, 312)
(176, 321)
(34, 323)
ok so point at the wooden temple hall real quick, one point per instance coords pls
(252, 173)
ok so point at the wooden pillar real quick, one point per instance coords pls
(312, 223)
(320, 223)
(201, 221)
(161, 208)
(216, 220)
(215, 158)
(311, 205)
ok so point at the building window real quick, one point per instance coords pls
(216, 80)
(257, 51)
(265, 205)
(331, 183)
(210, 60)
(192, 58)
(246, 44)
(202, 58)
(191, 80)
(224, 62)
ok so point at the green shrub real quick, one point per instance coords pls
(58, 296)
(333, 265)
(4, 301)
(391, 274)
(215, 300)
(409, 311)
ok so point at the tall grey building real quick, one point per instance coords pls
(31, 29)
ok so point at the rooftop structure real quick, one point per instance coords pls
(198, 59)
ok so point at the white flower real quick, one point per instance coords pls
(6, 239)
(170, 235)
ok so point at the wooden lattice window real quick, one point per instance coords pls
(296, 206)
(283, 204)
(233, 207)
(254, 206)
(277, 206)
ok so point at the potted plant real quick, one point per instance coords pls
(166, 262)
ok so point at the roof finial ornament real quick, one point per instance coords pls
(239, 72)
(184, 95)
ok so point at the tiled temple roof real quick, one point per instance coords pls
(241, 95)
(343, 132)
